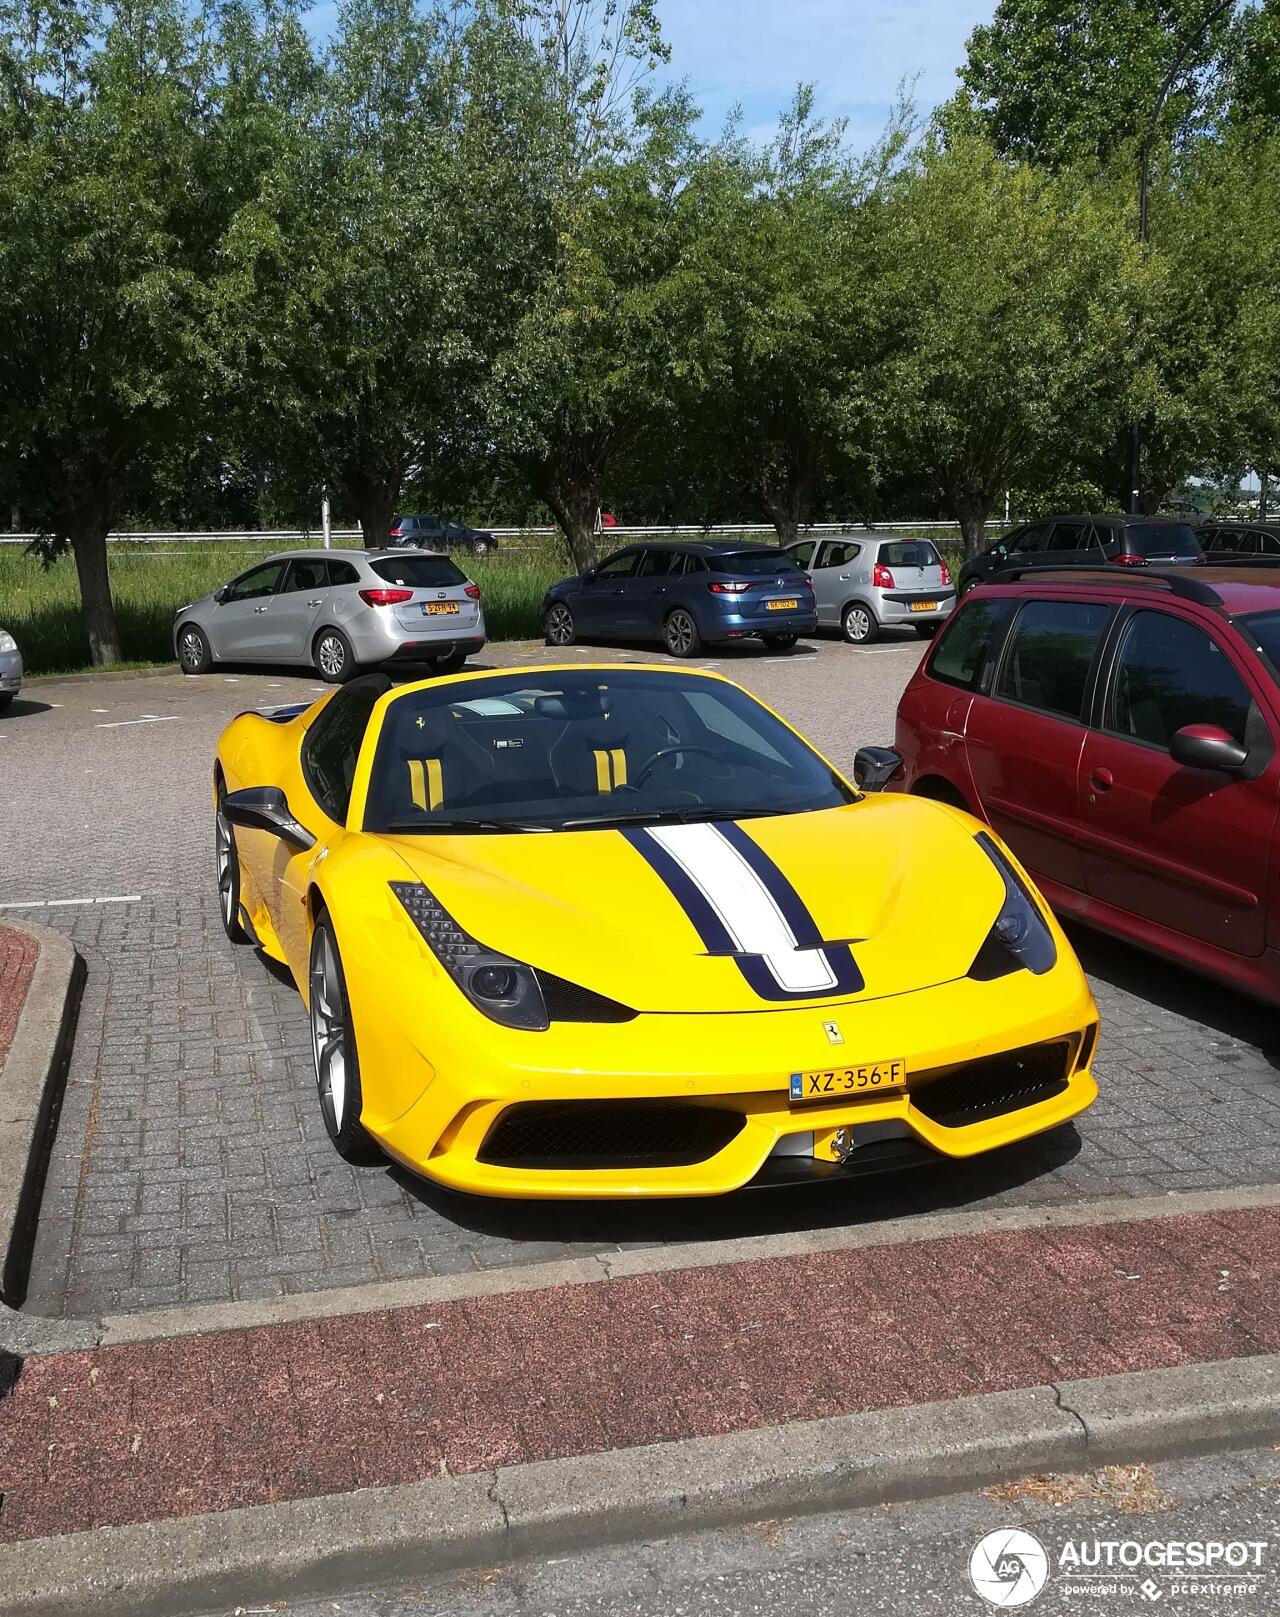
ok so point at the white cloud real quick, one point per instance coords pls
(755, 52)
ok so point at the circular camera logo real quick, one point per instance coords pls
(1008, 1567)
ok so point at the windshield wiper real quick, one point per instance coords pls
(690, 815)
(398, 827)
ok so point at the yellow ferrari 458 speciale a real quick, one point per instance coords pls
(620, 931)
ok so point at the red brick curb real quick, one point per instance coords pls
(18, 956)
(187, 1426)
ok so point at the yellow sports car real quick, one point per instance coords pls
(620, 931)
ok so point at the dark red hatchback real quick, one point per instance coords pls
(1121, 735)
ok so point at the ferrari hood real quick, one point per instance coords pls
(882, 897)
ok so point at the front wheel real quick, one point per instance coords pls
(780, 642)
(680, 634)
(859, 624)
(558, 625)
(333, 1049)
(227, 866)
(194, 655)
(334, 660)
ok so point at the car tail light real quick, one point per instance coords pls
(729, 589)
(473, 590)
(395, 533)
(385, 597)
(881, 577)
(1125, 560)
(946, 573)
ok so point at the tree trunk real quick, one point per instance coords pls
(375, 504)
(785, 495)
(89, 545)
(574, 509)
(971, 512)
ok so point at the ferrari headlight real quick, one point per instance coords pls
(7, 642)
(505, 990)
(1019, 936)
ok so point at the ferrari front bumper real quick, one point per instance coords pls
(460, 1130)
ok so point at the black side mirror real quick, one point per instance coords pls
(1000, 552)
(875, 767)
(1207, 746)
(265, 808)
(220, 595)
(588, 573)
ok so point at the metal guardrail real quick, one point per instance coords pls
(286, 538)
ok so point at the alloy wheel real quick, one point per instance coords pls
(329, 1034)
(680, 634)
(857, 624)
(332, 655)
(190, 650)
(225, 853)
(560, 626)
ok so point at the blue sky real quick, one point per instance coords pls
(855, 51)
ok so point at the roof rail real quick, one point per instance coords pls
(1188, 589)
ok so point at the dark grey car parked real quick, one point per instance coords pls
(1221, 540)
(1087, 541)
(438, 533)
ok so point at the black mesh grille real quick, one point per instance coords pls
(566, 1002)
(995, 1085)
(608, 1134)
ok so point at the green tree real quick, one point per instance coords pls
(1011, 295)
(105, 243)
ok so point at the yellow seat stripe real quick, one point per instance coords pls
(619, 766)
(426, 783)
(604, 780)
(611, 768)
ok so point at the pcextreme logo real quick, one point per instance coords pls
(1010, 1567)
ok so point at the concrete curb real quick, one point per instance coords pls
(106, 674)
(275, 1552)
(30, 1096)
(341, 1301)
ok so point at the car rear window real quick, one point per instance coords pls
(418, 572)
(1162, 539)
(1050, 652)
(755, 563)
(970, 642)
(910, 553)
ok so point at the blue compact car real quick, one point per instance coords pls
(685, 595)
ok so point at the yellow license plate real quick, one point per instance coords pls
(924, 606)
(781, 606)
(435, 609)
(834, 1083)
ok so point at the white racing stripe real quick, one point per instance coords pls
(744, 905)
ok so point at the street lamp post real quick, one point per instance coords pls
(1189, 44)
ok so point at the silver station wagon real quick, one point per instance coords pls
(339, 610)
(877, 582)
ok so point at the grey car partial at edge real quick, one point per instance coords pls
(339, 611)
(10, 669)
(876, 581)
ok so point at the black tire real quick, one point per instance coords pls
(926, 631)
(483, 547)
(333, 1050)
(226, 857)
(780, 642)
(194, 654)
(970, 583)
(448, 665)
(858, 624)
(558, 627)
(680, 633)
(333, 658)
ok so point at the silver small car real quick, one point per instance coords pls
(339, 610)
(10, 669)
(877, 581)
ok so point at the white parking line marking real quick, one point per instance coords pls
(150, 718)
(99, 710)
(63, 903)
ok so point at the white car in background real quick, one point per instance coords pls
(10, 669)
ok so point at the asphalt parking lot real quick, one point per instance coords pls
(191, 1164)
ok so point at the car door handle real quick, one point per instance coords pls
(846, 575)
(319, 601)
(1102, 780)
(259, 609)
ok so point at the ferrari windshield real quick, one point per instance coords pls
(573, 751)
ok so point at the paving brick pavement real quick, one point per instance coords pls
(245, 1417)
(18, 954)
(190, 1164)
